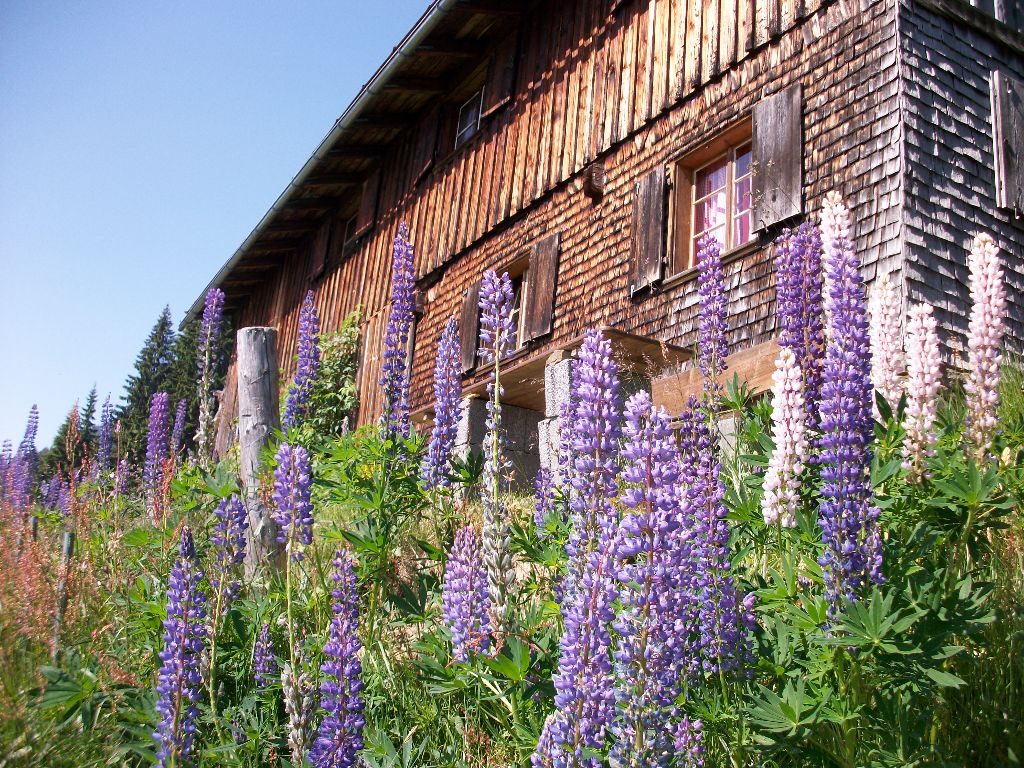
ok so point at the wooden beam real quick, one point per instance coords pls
(275, 246)
(384, 119)
(415, 85)
(357, 151)
(303, 225)
(487, 9)
(324, 203)
(332, 179)
(451, 47)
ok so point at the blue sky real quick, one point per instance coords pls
(140, 142)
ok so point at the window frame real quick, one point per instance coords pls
(681, 261)
(467, 133)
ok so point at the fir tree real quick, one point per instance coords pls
(87, 422)
(181, 376)
(152, 371)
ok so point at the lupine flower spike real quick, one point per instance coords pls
(886, 351)
(229, 545)
(24, 465)
(297, 690)
(798, 281)
(293, 481)
(395, 377)
(584, 693)
(206, 354)
(984, 344)
(689, 744)
(179, 680)
(308, 365)
(712, 347)
(105, 441)
(157, 448)
(835, 240)
(340, 736)
(496, 339)
(924, 378)
(646, 683)
(465, 604)
(849, 521)
(178, 432)
(789, 422)
(447, 396)
(264, 661)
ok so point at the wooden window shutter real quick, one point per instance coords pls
(1008, 140)
(648, 241)
(426, 143)
(777, 156)
(368, 204)
(321, 244)
(501, 75)
(470, 326)
(540, 292)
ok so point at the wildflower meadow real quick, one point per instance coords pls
(827, 574)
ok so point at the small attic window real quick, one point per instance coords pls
(469, 118)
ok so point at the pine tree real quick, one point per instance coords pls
(181, 376)
(87, 422)
(152, 370)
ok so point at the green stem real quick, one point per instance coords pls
(214, 625)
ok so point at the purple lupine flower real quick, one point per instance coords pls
(264, 660)
(688, 741)
(544, 489)
(309, 364)
(924, 380)
(721, 631)
(180, 679)
(395, 374)
(646, 678)
(789, 428)
(25, 464)
(341, 731)
(105, 441)
(178, 432)
(496, 340)
(984, 343)
(229, 545)
(209, 342)
(497, 325)
(849, 521)
(121, 478)
(209, 330)
(65, 498)
(447, 409)
(584, 693)
(465, 604)
(544, 755)
(293, 480)
(887, 364)
(798, 286)
(712, 347)
(157, 449)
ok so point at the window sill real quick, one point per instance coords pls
(727, 258)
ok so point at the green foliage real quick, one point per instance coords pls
(334, 399)
(152, 368)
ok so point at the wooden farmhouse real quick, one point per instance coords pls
(583, 145)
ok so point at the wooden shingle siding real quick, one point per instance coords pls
(633, 89)
(950, 167)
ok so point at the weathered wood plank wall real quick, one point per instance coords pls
(950, 168)
(634, 87)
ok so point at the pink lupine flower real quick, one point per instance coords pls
(984, 343)
(782, 480)
(924, 375)
(886, 351)
(835, 240)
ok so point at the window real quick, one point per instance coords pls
(713, 196)
(469, 119)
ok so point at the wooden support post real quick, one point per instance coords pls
(66, 550)
(258, 417)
